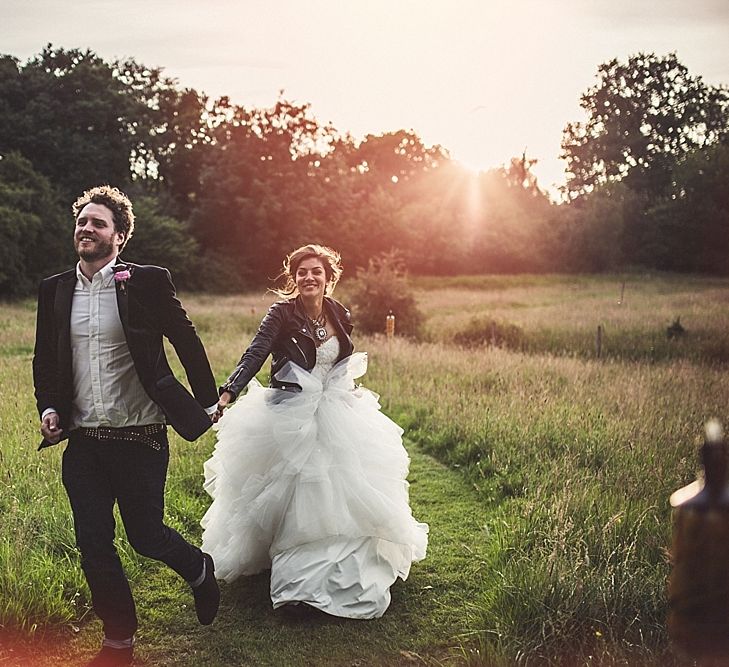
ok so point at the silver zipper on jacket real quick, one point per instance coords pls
(298, 347)
(233, 378)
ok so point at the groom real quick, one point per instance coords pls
(102, 380)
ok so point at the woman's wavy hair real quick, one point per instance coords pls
(330, 259)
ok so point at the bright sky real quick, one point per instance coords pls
(483, 78)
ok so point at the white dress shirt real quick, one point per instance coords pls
(106, 387)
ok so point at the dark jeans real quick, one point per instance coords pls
(97, 473)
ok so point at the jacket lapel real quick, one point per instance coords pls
(62, 316)
(62, 308)
(343, 328)
(122, 302)
(300, 319)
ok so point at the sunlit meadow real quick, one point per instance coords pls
(567, 460)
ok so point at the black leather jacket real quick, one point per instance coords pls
(285, 333)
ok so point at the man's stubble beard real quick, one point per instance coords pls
(101, 250)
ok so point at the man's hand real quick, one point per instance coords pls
(49, 428)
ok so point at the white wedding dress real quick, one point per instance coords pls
(312, 485)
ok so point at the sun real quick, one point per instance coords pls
(474, 153)
(474, 166)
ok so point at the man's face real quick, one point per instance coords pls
(95, 237)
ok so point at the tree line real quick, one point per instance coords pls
(222, 190)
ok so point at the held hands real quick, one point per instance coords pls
(49, 428)
(224, 401)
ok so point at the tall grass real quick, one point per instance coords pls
(561, 314)
(578, 455)
(578, 458)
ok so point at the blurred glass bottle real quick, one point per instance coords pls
(698, 618)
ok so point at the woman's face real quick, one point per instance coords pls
(311, 278)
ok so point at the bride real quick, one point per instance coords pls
(308, 476)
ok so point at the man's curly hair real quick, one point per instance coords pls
(116, 201)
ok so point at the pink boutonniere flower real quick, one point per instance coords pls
(121, 275)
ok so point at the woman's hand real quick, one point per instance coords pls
(226, 398)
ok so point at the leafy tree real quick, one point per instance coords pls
(588, 233)
(83, 121)
(259, 188)
(70, 116)
(460, 222)
(173, 129)
(162, 240)
(703, 197)
(642, 117)
(520, 177)
(35, 231)
(381, 193)
(390, 158)
(223, 191)
(692, 227)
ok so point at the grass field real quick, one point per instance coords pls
(544, 473)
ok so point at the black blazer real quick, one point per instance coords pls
(149, 310)
(285, 333)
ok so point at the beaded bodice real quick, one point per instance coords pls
(326, 356)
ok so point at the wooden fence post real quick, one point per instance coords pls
(390, 332)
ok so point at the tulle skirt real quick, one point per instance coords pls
(313, 486)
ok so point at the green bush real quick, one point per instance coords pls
(382, 288)
(488, 331)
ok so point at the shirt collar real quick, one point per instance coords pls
(106, 274)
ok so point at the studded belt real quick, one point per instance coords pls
(141, 434)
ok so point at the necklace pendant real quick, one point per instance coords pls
(320, 333)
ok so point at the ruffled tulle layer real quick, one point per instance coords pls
(312, 485)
